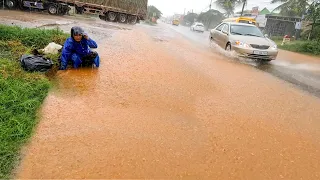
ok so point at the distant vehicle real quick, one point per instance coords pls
(111, 10)
(246, 20)
(199, 27)
(176, 22)
(245, 39)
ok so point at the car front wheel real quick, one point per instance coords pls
(228, 47)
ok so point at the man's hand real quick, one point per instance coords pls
(85, 35)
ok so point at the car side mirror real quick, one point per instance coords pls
(225, 32)
(266, 35)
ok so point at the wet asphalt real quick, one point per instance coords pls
(302, 71)
(162, 106)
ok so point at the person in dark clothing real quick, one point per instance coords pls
(77, 50)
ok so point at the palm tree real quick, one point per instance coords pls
(244, 4)
(292, 7)
(229, 5)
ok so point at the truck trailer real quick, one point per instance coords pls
(123, 11)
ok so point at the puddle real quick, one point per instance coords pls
(305, 67)
(159, 39)
(57, 23)
(110, 26)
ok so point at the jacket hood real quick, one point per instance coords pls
(76, 30)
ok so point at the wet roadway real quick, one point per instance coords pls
(164, 106)
(303, 71)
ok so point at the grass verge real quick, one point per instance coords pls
(21, 93)
(304, 47)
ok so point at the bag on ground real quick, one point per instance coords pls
(35, 63)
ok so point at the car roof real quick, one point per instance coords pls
(241, 24)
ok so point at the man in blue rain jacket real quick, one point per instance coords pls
(77, 50)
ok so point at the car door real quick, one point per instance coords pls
(224, 36)
(216, 34)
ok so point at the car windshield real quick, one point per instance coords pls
(200, 25)
(245, 30)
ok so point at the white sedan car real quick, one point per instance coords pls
(199, 27)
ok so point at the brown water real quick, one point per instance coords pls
(167, 109)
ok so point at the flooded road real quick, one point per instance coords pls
(161, 106)
(303, 71)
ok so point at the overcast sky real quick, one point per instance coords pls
(169, 7)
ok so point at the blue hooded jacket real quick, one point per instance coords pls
(71, 47)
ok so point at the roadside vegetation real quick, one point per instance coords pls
(21, 93)
(153, 15)
(303, 46)
(309, 43)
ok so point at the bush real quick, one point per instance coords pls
(314, 36)
(310, 47)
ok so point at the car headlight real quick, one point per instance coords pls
(242, 44)
(275, 47)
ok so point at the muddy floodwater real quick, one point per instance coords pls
(161, 106)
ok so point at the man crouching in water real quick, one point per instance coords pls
(77, 50)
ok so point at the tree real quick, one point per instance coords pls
(313, 15)
(210, 18)
(154, 12)
(227, 5)
(190, 17)
(244, 4)
(230, 5)
(292, 7)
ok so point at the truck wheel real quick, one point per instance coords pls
(112, 16)
(11, 4)
(132, 19)
(79, 10)
(102, 17)
(122, 18)
(52, 9)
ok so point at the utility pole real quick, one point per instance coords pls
(244, 3)
(209, 23)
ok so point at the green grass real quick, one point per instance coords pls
(305, 47)
(300, 46)
(35, 38)
(21, 93)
